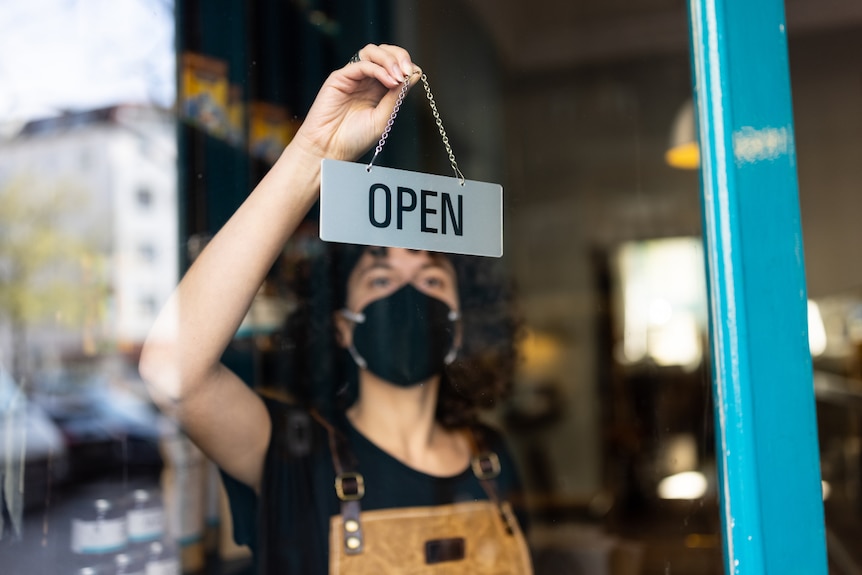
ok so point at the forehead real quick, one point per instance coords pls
(400, 259)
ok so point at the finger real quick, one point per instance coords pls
(366, 69)
(394, 59)
(405, 61)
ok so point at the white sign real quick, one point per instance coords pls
(397, 208)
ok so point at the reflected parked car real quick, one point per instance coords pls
(106, 428)
(29, 439)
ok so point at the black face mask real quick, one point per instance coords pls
(404, 338)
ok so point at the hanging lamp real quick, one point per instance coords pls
(683, 152)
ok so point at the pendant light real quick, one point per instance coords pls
(683, 152)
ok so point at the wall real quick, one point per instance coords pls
(826, 75)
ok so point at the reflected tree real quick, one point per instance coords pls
(51, 269)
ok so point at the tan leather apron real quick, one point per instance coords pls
(474, 537)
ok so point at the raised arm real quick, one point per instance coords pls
(180, 360)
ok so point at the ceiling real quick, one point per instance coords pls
(555, 34)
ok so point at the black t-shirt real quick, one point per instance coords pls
(287, 528)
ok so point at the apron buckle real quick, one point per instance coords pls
(486, 466)
(350, 486)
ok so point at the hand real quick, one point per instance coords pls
(354, 104)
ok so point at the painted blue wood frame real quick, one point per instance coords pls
(769, 471)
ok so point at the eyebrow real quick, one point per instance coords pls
(377, 263)
(384, 264)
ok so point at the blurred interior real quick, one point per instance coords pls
(573, 107)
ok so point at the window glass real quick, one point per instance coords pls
(130, 133)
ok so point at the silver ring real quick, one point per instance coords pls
(354, 59)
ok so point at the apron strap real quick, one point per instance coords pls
(486, 467)
(349, 486)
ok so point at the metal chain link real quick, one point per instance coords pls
(437, 121)
(391, 121)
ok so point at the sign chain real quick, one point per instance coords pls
(437, 121)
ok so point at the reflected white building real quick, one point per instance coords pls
(119, 165)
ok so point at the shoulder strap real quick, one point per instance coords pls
(349, 485)
(486, 467)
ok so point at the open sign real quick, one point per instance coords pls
(398, 208)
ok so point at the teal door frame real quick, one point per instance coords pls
(769, 469)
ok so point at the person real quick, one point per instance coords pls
(409, 441)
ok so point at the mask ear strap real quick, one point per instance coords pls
(358, 359)
(451, 356)
(355, 318)
(454, 316)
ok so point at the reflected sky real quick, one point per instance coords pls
(60, 55)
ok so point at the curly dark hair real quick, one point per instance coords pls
(319, 372)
